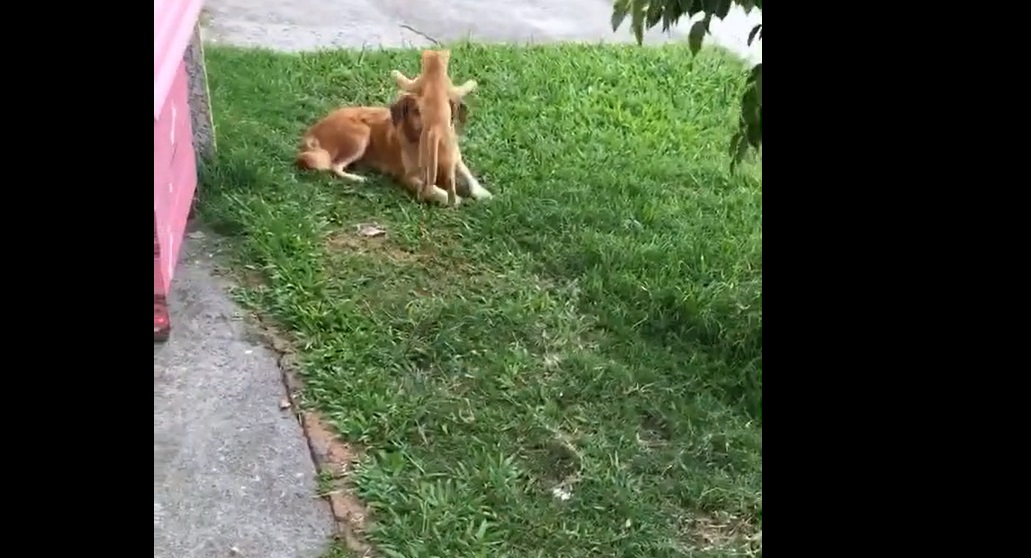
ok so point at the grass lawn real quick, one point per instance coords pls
(571, 369)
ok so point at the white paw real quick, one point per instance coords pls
(352, 177)
(436, 195)
(478, 192)
(442, 200)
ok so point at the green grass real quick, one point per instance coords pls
(595, 329)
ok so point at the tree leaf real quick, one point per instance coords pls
(620, 9)
(723, 8)
(747, 5)
(696, 34)
(654, 15)
(760, 125)
(751, 115)
(671, 14)
(751, 34)
(637, 19)
(689, 7)
(738, 148)
(755, 78)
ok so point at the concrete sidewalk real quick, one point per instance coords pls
(310, 24)
(232, 472)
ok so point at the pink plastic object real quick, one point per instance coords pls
(175, 165)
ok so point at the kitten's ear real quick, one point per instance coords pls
(401, 108)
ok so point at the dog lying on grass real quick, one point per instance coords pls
(439, 154)
(385, 139)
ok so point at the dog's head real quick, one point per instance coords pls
(406, 115)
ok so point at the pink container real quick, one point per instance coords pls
(175, 164)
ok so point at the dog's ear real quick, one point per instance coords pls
(400, 109)
(460, 112)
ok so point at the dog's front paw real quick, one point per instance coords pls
(446, 202)
(438, 196)
(478, 192)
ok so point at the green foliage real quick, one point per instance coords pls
(645, 14)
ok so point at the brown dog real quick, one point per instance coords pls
(406, 115)
(439, 154)
(383, 138)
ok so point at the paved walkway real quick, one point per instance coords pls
(311, 24)
(232, 472)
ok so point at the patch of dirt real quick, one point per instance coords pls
(558, 464)
(334, 458)
(654, 430)
(562, 460)
(724, 532)
(429, 259)
(348, 240)
(251, 278)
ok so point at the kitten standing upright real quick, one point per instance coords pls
(434, 68)
(438, 144)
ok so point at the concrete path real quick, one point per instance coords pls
(232, 472)
(233, 476)
(310, 24)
